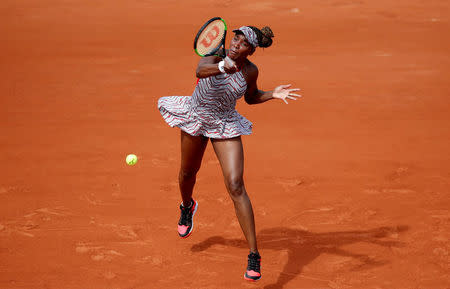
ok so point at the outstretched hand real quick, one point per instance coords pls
(284, 92)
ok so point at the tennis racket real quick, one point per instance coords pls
(211, 38)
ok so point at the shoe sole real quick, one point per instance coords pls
(192, 227)
(252, 280)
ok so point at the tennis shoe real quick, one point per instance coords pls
(186, 222)
(253, 272)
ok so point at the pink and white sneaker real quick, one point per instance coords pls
(186, 222)
(253, 272)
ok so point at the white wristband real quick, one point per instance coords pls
(221, 65)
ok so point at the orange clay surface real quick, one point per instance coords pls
(350, 184)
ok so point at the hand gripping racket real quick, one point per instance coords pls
(211, 37)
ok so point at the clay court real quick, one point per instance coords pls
(350, 184)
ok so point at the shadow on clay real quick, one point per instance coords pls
(304, 246)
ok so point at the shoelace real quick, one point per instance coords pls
(254, 262)
(186, 215)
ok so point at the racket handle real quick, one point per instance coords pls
(222, 53)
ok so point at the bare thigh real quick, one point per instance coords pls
(192, 150)
(231, 157)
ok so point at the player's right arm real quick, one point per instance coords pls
(209, 66)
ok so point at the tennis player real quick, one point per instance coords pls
(210, 114)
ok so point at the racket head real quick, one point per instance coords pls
(210, 37)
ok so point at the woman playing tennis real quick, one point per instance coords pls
(209, 114)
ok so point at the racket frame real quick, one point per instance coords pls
(222, 44)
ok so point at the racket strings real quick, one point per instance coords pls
(211, 37)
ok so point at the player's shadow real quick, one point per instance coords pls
(304, 246)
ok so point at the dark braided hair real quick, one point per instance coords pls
(264, 36)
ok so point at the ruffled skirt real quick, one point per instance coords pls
(177, 111)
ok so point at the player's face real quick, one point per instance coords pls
(240, 48)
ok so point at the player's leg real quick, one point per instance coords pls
(192, 149)
(231, 157)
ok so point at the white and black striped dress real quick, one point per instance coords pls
(210, 111)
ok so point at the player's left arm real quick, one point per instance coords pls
(253, 95)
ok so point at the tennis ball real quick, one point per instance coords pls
(131, 159)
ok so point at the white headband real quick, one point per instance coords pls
(251, 36)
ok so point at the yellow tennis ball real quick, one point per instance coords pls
(131, 159)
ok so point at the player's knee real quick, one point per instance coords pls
(187, 174)
(235, 187)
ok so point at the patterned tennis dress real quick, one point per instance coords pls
(210, 111)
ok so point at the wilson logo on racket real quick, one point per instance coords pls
(211, 36)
